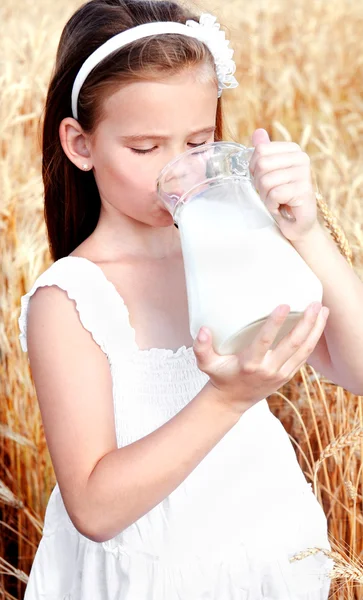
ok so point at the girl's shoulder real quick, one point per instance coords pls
(67, 272)
(77, 276)
(100, 308)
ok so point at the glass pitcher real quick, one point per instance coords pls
(238, 265)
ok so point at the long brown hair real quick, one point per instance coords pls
(71, 198)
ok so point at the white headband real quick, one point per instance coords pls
(207, 31)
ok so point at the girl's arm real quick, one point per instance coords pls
(104, 488)
(151, 468)
(339, 352)
(283, 177)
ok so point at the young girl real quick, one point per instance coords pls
(174, 479)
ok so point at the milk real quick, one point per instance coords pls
(238, 266)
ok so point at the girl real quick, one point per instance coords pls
(174, 479)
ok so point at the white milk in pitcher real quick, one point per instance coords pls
(239, 267)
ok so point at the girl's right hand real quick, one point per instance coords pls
(250, 376)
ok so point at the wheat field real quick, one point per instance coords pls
(300, 67)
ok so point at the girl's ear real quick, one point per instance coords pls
(74, 143)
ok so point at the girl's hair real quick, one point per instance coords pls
(71, 198)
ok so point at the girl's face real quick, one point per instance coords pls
(146, 124)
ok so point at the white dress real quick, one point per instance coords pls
(227, 531)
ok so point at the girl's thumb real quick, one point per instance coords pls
(203, 335)
(202, 347)
(260, 136)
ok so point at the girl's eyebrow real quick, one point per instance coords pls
(154, 136)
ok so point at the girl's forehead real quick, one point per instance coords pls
(167, 101)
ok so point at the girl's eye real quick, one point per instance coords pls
(196, 145)
(139, 151)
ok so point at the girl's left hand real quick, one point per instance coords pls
(282, 175)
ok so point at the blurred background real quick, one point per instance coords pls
(300, 68)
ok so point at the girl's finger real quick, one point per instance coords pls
(266, 336)
(272, 148)
(300, 342)
(275, 162)
(313, 339)
(287, 193)
(267, 182)
(296, 369)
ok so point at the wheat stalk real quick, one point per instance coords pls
(352, 438)
(342, 569)
(352, 491)
(334, 227)
(7, 496)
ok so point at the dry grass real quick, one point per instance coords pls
(300, 67)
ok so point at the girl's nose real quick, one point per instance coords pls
(179, 176)
(173, 154)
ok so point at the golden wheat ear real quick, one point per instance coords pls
(335, 229)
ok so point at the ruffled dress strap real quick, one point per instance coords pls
(101, 309)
